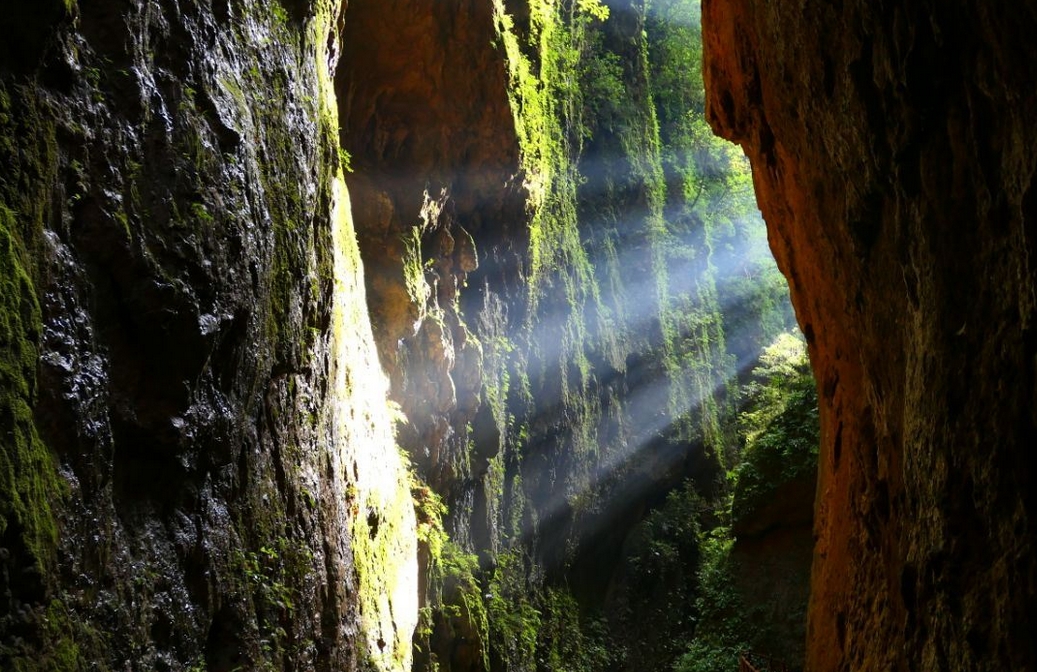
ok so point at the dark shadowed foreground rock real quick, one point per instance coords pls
(892, 147)
(197, 467)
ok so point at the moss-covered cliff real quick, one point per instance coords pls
(557, 252)
(198, 467)
(203, 465)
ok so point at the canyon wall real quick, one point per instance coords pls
(892, 156)
(557, 267)
(198, 466)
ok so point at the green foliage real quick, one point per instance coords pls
(454, 596)
(553, 357)
(721, 295)
(660, 225)
(429, 511)
(513, 617)
(271, 576)
(417, 286)
(604, 90)
(705, 655)
(780, 425)
(593, 8)
(662, 559)
(272, 570)
(569, 643)
(665, 543)
(782, 373)
(345, 161)
(675, 41)
(279, 13)
(462, 595)
(721, 632)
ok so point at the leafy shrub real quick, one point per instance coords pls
(719, 636)
(570, 643)
(781, 426)
(514, 620)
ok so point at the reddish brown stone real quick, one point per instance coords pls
(424, 111)
(892, 148)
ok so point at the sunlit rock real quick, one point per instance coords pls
(892, 156)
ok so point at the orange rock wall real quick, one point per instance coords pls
(424, 114)
(892, 150)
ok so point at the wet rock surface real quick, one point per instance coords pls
(181, 158)
(891, 148)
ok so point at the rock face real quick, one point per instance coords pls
(770, 563)
(519, 230)
(197, 469)
(892, 154)
(425, 116)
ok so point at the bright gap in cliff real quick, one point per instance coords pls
(567, 354)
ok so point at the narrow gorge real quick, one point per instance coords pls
(387, 335)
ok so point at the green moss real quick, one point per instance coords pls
(379, 562)
(68, 645)
(31, 489)
(554, 356)
(29, 484)
(514, 619)
(414, 280)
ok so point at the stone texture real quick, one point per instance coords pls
(892, 152)
(208, 437)
(441, 218)
(425, 117)
(771, 574)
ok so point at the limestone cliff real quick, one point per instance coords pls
(892, 153)
(425, 117)
(553, 262)
(198, 466)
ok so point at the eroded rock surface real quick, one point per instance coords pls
(892, 154)
(425, 117)
(198, 462)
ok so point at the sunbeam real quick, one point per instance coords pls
(584, 322)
